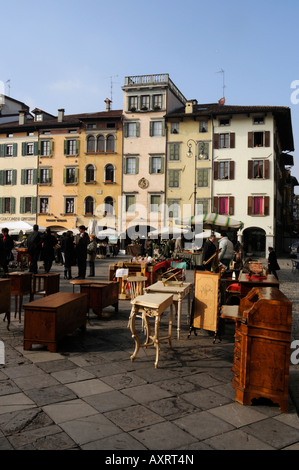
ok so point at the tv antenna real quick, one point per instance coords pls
(8, 86)
(111, 85)
(223, 82)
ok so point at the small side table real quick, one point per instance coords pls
(151, 306)
(45, 284)
(20, 286)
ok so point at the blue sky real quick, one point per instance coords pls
(66, 53)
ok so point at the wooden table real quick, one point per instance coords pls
(45, 284)
(49, 319)
(5, 299)
(20, 286)
(151, 306)
(179, 291)
(247, 283)
(81, 282)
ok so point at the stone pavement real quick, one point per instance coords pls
(90, 396)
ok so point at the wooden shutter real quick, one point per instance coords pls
(12, 205)
(35, 151)
(137, 129)
(1, 205)
(22, 200)
(23, 172)
(216, 168)
(250, 205)
(231, 205)
(15, 150)
(250, 169)
(35, 176)
(267, 138)
(232, 170)
(266, 205)
(216, 141)
(232, 140)
(24, 145)
(250, 139)
(267, 169)
(77, 146)
(215, 204)
(51, 147)
(2, 150)
(76, 175)
(2, 175)
(65, 147)
(14, 177)
(33, 205)
(50, 175)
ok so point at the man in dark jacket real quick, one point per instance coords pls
(273, 265)
(82, 240)
(7, 246)
(208, 251)
(34, 245)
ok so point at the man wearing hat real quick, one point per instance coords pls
(82, 240)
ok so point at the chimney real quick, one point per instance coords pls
(22, 117)
(108, 103)
(189, 106)
(60, 115)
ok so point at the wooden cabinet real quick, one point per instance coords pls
(262, 347)
(48, 319)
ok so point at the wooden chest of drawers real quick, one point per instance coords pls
(262, 347)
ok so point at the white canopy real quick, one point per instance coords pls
(109, 232)
(15, 227)
(212, 218)
(74, 230)
(207, 234)
(165, 232)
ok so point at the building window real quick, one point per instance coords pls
(157, 101)
(28, 177)
(202, 206)
(224, 205)
(8, 177)
(130, 203)
(9, 150)
(91, 144)
(173, 206)
(45, 148)
(259, 139)
(145, 102)
(131, 129)
(258, 169)
(29, 148)
(89, 205)
(110, 144)
(109, 173)
(224, 141)
(258, 120)
(89, 174)
(155, 202)
(45, 175)
(224, 122)
(133, 103)
(175, 127)
(70, 175)
(258, 205)
(69, 205)
(71, 147)
(109, 205)
(7, 204)
(27, 204)
(174, 152)
(173, 178)
(131, 165)
(203, 126)
(203, 178)
(101, 144)
(156, 128)
(203, 150)
(223, 170)
(44, 205)
(156, 165)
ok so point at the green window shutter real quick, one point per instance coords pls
(137, 129)
(125, 165)
(64, 176)
(35, 179)
(162, 164)
(125, 129)
(151, 129)
(163, 128)
(65, 147)
(12, 205)
(23, 176)
(1, 205)
(50, 175)
(35, 148)
(150, 169)
(38, 175)
(39, 147)
(51, 147)
(14, 177)
(137, 165)
(1, 177)
(15, 150)
(24, 148)
(22, 205)
(77, 146)
(2, 150)
(76, 175)
(33, 205)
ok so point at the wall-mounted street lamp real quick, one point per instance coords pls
(189, 154)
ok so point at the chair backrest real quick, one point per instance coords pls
(179, 265)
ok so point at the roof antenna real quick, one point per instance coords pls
(8, 86)
(222, 100)
(111, 86)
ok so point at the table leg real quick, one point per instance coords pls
(134, 332)
(20, 307)
(179, 315)
(156, 339)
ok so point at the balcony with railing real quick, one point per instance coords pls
(159, 79)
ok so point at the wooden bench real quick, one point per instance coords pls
(49, 319)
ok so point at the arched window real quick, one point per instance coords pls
(109, 173)
(91, 143)
(89, 174)
(108, 201)
(101, 144)
(110, 143)
(89, 205)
